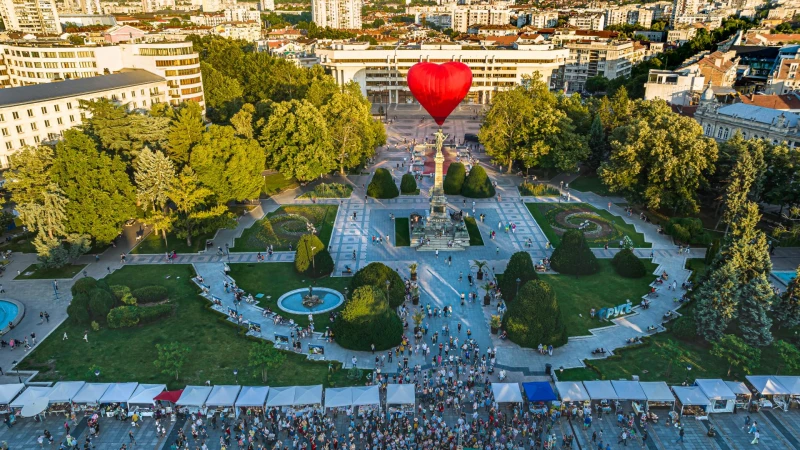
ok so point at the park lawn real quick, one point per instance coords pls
(275, 183)
(153, 244)
(34, 272)
(475, 237)
(589, 183)
(605, 288)
(402, 232)
(539, 212)
(128, 354)
(257, 237)
(276, 279)
(22, 243)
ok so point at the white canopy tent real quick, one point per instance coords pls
(657, 393)
(65, 391)
(90, 393)
(252, 396)
(572, 391)
(691, 396)
(224, 396)
(308, 395)
(791, 383)
(743, 394)
(29, 395)
(194, 396)
(366, 395)
(767, 385)
(720, 396)
(9, 392)
(628, 390)
(600, 390)
(295, 396)
(338, 397)
(507, 393)
(281, 396)
(145, 393)
(120, 392)
(400, 394)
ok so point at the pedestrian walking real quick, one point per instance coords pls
(46, 317)
(65, 337)
(756, 435)
(681, 433)
(85, 335)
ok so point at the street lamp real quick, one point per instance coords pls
(14, 363)
(228, 251)
(345, 292)
(236, 374)
(518, 281)
(313, 265)
(97, 373)
(688, 370)
(561, 187)
(387, 289)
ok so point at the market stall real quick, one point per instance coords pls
(338, 399)
(251, 398)
(221, 400)
(506, 393)
(720, 396)
(692, 401)
(144, 397)
(366, 398)
(602, 393)
(87, 400)
(792, 384)
(8, 392)
(295, 399)
(629, 391)
(400, 400)
(29, 395)
(771, 393)
(658, 395)
(61, 396)
(193, 399)
(742, 393)
(119, 393)
(540, 397)
(574, 395)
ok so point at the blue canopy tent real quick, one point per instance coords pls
(539, 393)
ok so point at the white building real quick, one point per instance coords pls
(208, 19)
(30, 16)
(381, 71)
(341, 14)
(588, 21)
(538, 19)
(29, 63)
(683, 8)
(157, 5)
(242, 15)
(30, 115)
(587, 59)
(676, 88)
(249, 31)
(266, 5)
(462, 16)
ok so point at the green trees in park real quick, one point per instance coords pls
(520, 267)
(534, 317)
(382, 185)
(377, 274)
(312, 258)
(628, 265)
(171, 358)
(786, 307)
(477, 184)
(454, 180)
(367, 319)
(265, 357)
(408, 184)
(737, 353)
(573, 256)
(228, 165)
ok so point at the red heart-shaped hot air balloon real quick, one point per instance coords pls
(439, 88)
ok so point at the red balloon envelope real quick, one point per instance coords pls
(439, 88)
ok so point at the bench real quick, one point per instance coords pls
(347, 273)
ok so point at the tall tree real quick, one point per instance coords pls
(746, 246)
(194, 205)
(264, 357)
(737, 353)
(505, 130)
(228, 165)
(46, 215)
(154, 175)
(222, 93)
(121, 133)
(598, 143)
(100, 194)
(297, 141)
(786, 308)
(744, 177)
(755, 299)
(242, 121)
(30, 170)
(185, 132)
(351, 127)
(717, 302)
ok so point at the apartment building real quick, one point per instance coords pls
(381, 71)
(588, 21)
(149, 6)
(39, 62)
(342, 14)
(30, 115)
(678, 87)
(784, 77)
(587, 59)
(30, 16)
(462, 17)
(537, 19)
(248, 31)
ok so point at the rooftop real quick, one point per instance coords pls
(758, 114)
(782, 102)
(71, 88)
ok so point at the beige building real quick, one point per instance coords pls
(340, 14)
(30, 115)
(588, 21)
(30, 16)
(608, 58)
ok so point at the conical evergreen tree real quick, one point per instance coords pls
(754, 323)
(598, 143)
(717, 303)
(786, 308)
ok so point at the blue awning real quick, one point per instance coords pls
(539, 391)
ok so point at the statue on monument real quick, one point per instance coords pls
(440, 138)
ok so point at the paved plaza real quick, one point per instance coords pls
(441, 284)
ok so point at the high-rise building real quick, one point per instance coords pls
(683, 8)
(157, 5)
(342, 14)
(30, 16)
(266, 5)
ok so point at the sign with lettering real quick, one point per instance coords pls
(609, 313)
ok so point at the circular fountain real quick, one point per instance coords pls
(310, 301)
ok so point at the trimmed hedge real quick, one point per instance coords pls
(151, 294)
(454, 180)
(535, 318)
(308, 246)
(376, 274)
(323, 265)
(573, 256)
(78, 309)
(477, 184)
(367, 319)
(149, 314)
(100, 303)
(408, 184)
(123, 317)
(519, 266)
(382, 185)
(628, 265)
(687, 230)
(685, 328)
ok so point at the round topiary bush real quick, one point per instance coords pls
(477, 184)
(408, 184)
(100, 303)
(323, 265)
(307, 248)
(573, 256)
(84, 285)
(628, 265)
(382, 185)
(534, 317)
(519, 266)
(78, 309)
(123, 316)
(376, 274)
(454, 180)
(151, 294)
(685, 328)
(367, 319)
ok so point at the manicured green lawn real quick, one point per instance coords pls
(329, 190)
(276, 279)
(589, 183)
(34, 272)
(576, 296)
(545, 213)
(402, 232)
(475, 237)
(128, 354)
(285, 226)
(537, 189)
(275, 183)
(154, 244)
(22, 244)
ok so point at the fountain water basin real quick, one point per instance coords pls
(310, 301)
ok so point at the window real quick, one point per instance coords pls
(9, 145)
(36, 139)
(69, 105)
(30, 113)
(725, 134)
(2, 118)
(44, 109)
(71, 118)
(5, 131)
(15, 115)
(57, 108)
(47, 123)
(34, 127)
(19, 129)
(719, 133)
(22, 142)
(60, 121)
